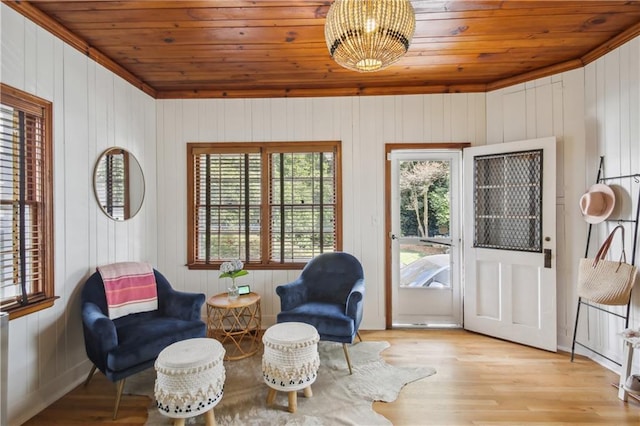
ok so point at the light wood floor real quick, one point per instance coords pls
(479, 381)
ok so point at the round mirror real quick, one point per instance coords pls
(118, 184)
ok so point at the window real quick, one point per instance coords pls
(26, 203)
(268, 204)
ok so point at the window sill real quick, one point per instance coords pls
(31, 308)
(248, 266)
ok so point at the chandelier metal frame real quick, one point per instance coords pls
(369, 35)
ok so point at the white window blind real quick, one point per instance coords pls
(21, 205)
(266, 204)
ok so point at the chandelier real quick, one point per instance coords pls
(369, 35)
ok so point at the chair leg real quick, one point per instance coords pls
(359, 336)
(346, 355)
(118, 396)
(91, 373)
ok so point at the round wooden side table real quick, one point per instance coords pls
(235, 323)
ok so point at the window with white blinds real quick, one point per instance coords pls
(268, 204)
(26, 217)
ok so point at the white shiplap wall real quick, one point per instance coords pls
(93, 110)
(363, 124)
(612, 122)
(592, 111)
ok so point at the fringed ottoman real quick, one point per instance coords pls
(290, 361)
(190, 379)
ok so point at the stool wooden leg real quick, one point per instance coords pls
(210, 418)
(293, 401)
(178, 422)
(308, 393)
(271, 396)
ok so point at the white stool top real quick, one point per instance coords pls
(190, 353)
(290, 333)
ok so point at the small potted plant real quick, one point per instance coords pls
(232, 269)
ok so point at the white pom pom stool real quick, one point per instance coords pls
(290, 361)
(190, 379)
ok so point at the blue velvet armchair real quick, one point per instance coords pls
(328, 295)
(127, 345)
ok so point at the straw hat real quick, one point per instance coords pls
(597, 203)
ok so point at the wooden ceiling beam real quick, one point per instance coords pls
(322, 92)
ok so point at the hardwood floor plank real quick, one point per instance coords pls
(479, 381)
(485, 381)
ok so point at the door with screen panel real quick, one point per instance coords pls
(509, 248)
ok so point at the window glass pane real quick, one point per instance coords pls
(424, 198)
(508, 201)
(227, 193)
(302, 205)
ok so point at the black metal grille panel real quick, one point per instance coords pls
(508, 201)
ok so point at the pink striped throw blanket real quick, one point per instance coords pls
(130, 288)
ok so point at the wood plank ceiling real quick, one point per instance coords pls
(238, 48)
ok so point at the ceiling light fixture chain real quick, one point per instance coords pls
(369, 35)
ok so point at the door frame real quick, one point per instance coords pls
(388, 147)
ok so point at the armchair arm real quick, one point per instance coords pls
(355, 302)
(99, 328)
(182, 305)
(292, 294)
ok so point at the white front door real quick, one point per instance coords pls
(425, 247)
(509, 241)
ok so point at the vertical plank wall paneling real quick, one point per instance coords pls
(592, 111)
(363, 125)
(616, 117)
(93, 110)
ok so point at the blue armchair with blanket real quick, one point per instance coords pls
(328, 295)
(129, 344)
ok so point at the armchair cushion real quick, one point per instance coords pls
(328, 318)
(142, 341)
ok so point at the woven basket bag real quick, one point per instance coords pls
(604, 281)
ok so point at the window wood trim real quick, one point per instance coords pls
(265, 148)
(37, 106)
